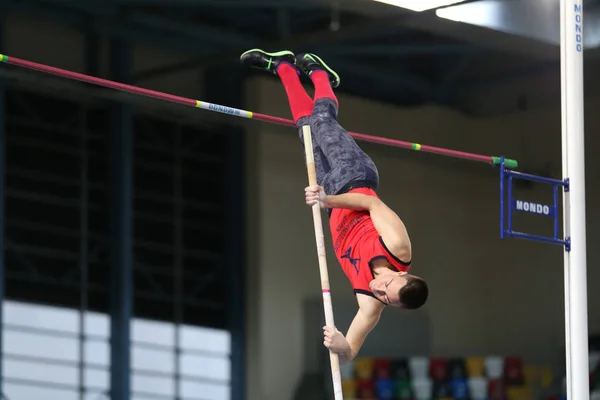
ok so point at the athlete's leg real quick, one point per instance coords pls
(282, 64)
(348, 162)
(301, 106)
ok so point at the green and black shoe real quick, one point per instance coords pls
(260, 59)
(309, 63)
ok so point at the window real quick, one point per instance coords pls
(42, 356)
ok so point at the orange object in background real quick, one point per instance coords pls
(475, 367)
(363, 368)
(349, 389)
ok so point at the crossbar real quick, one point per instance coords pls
(509, 163)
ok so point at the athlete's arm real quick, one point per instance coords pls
(387, 223)
(366, 319)
(392, 230)
(351, 201)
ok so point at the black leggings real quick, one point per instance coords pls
(341, 165)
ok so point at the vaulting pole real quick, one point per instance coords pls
(322, 255)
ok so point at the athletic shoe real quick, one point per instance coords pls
(309, 63)
(260, 59)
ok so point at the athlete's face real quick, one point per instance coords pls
(387, 287)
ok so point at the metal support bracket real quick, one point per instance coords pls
(530, 207)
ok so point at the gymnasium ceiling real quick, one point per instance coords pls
(382, 52)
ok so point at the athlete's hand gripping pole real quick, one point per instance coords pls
(318, 222)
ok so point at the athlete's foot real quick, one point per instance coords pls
(260, 59)
(309, 63)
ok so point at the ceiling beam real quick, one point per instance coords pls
(303, 42)
(403, 50)
(397, 79)
(444, 88)
(290, 4)
(522, 27)
(137, 27)
(537, 20)
(196, 31)
(485, 37)
(103, 26)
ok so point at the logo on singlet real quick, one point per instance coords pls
(353, 261)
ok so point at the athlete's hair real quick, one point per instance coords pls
(414, 294)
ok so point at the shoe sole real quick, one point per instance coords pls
(327, 67)
(270, 55)
(276, 54)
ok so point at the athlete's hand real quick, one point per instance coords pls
(315, 194)
(335, 341)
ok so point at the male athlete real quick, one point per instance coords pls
(369, 239)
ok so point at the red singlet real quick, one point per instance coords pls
(356, 244)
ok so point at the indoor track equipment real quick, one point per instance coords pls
(573, 169)
(241, 113)
(322, 255)
(530, 206)
(573, 239)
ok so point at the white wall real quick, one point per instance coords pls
(487, 295)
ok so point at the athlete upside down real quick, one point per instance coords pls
(369, 239)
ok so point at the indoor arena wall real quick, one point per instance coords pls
(487, 295)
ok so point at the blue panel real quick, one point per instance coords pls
(555, 196)
(121, 240)
(538, 238)
(534, 178)
(524, 206)
(510, 200)
(502, 176)
(533, 208)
